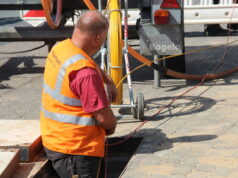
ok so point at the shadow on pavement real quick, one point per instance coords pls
(7, 20)
(186, 105)
(11, 67)
(154, 140)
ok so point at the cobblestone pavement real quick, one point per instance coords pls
(197, 136)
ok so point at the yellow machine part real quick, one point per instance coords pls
(115, 47)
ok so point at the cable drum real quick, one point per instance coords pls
(53, 20)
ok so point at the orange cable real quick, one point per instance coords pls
(47, 7)
(89, 4)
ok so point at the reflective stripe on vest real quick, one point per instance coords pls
(55, 94)
(61, 98)
(65, 118)
(59, 82)
(62, 71)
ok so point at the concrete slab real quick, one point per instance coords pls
(8, 162)
(21, 134)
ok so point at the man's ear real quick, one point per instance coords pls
(97, 38)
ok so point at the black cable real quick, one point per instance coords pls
(29, 50)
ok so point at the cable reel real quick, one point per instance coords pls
(53, 19)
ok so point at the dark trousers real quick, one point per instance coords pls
(79, 166)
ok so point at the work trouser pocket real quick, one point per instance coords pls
(64, 167)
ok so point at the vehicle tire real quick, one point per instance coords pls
(134, 112)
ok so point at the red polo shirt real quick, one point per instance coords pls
(86, 83)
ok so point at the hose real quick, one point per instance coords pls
(89, 4)
(179, 75)
(172, 73)
(209, 76)
(48, 8)
(139, 57)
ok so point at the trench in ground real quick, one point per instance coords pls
(119, 155)
(117, 158)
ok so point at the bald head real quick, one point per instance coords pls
(92, 22)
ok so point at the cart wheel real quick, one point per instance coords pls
(134, 112)
(140, 106)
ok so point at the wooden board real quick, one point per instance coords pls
(23, 135)
(9, 160)
(38, 168)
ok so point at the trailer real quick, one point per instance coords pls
(210, 11)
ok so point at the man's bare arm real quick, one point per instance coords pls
(111, 88)
(106, 119)
(106, 78)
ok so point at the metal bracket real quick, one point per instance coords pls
(115, 67)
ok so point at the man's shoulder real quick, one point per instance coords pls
(62, 44)
(87, 72)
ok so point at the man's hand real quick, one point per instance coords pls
(110, 132)
(111, 92)
(110, 86)
(106, 120)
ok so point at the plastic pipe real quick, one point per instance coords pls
(89, 4)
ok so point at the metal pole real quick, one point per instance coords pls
(103, 49)
(100, 5)
(157, 74)
(126, 53)
(126, 27)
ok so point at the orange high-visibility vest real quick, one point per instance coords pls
(65, 127)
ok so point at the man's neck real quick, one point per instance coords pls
(82, 46)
